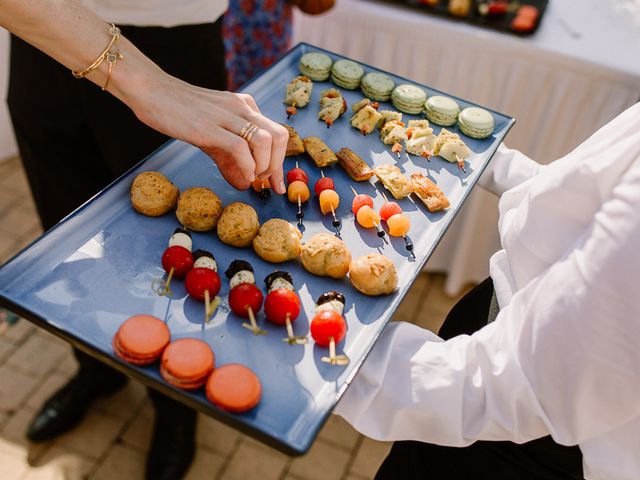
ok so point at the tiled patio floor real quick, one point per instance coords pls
(112, 441)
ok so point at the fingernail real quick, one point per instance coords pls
(252, 177)
(282, 187)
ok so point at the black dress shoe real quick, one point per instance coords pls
(67, 407)
(173, 445)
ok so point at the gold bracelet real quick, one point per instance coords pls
(111, 54)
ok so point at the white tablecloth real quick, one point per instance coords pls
(580, 69)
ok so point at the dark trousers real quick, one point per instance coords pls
(535, 460)
(74, 139)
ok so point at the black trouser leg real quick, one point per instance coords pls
(536, 460)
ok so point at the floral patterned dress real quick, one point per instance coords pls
(256, 33)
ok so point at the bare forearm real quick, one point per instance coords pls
(75, 36)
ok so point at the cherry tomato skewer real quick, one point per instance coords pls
(177, 261)
(243, 300)
(282, 307)
(327, 329)
(391, 211)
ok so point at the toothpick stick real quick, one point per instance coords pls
(353, 190)
(460, 162)
(254, 325)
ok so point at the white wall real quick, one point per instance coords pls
(8, 146)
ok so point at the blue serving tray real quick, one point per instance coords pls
(93, 270)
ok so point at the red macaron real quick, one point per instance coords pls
(187, 363)
(234, 388)
(141, 339)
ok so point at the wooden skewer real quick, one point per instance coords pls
(207, 307)
(291, 110)
(336, 223)
(164, 289)
(334, 359)
(255, 329)
(300, 214)
(291, 338)
(353, 190)
(409, 246)
(460, 162)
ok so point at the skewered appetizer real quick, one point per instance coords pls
(298, 190)
(245, 298)
(387, 116)
(328, 326)
(152, 194)
(355, 166)
(394, 180)
(450, 146)
(332, 106)
(177, 260)
(294, 144)
(393, 133)
(238, 225)
(262, 187)
(366, 216)
(420, 138)
(203, 282)
(373, 274)
(328, 199)
(282, 305)
(366, 119)
(326, 255)
(277, 241)
(199, 209)
(429, 193)
(397, 222)
(297, 94)
(319, 152)
(356, 107)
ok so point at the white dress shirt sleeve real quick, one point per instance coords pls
(507, 169)
(562, 358)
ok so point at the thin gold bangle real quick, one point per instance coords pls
(111, 54)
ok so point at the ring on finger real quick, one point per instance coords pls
(248, 131)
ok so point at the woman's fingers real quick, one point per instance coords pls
(234, 159)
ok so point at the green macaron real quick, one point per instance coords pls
(409, 98)
(316, 66)
(347, 74)
(442, 110)
(377, 86)
(476, 122)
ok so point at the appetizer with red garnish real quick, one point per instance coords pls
(297, 94)
(366, 216)
(245, 298)
(328, 198)
(282, 305)
(298, 191)
(262, 187)
(177, 260)
(329, 327)
(397, 222)
(203, 282)
(332, 106)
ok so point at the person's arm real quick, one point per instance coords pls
(561, 358)
(507, 169)
(211, 120)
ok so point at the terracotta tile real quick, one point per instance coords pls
(6, 349)
(51, 384)
(94, 435)
(322, 462)
(216, 435)
(12, 466)
(19, 220)
(59, 463)
(15, 180)
(205, 465)
(68, 365)
(19, 332)
(138, 434)
(15, 430)
(339, 432)
(9, 245)
(414, 298)
(125, 403)
(15, 386)
(37, 355)
(252, 461)
(8, 199)
(121, 463)
(369, 457)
